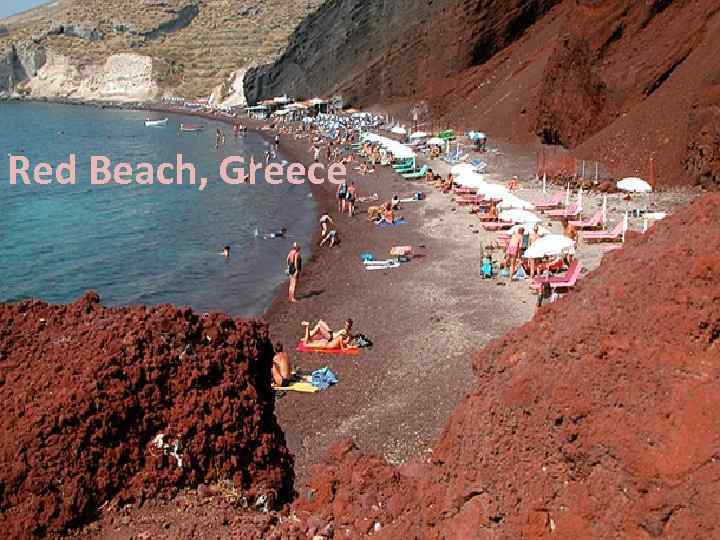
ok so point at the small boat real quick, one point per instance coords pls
(191, 127)
(156, 123)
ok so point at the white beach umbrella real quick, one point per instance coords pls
(463, 168)
(435, 141)
(419, 135)
(580, 199)
(604, 210)
(470, 180)
(634, 185)
(567, 196)
(513, 201)
(551, 245)
(493, 191)
(519, 216)
(398, 130)
(544, 183)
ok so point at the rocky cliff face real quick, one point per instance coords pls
(115, 406)
(591, 75)
(376, 51)
(201, 43)
(122, 77)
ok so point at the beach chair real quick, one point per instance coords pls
(465, 191)
(498, 226)
(403, 164)
(552, 203)
(572, 211)
(420, 174)
(563, 281)
(592, 223)
(615, 235)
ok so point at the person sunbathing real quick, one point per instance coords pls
(322, 337)
(388, 216)
(281, 368)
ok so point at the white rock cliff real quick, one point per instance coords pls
(125, 77)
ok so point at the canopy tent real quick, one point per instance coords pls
(551, 245)
(634, 185)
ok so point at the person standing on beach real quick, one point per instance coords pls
(294, 267)
(351, 193)
(342, 197)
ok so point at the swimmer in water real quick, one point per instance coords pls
(226, 252)
(276, 234)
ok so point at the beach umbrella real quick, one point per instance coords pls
(493, 191)
(398, 130)
(419, 135)
(519, 216)
(512, 201)
(567, 196)
(580, 199)
(435, 141)
(604, 210)
(551, 245)
(544, 183)
(458, 170)
(470, 180)
(634, 185)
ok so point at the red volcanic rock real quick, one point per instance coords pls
(595, 420)
(86, 390)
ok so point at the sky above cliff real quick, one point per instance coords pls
(11, 7)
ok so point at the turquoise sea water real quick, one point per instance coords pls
(140, 244)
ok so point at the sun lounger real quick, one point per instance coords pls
(465, 191)
(552, 203)
(421, 173)
(475, 200)
(571, 211)
(498, 226)
(565, 280)
(592, 223)
(615, 235)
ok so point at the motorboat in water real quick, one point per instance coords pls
(191, 127)
(156, 123)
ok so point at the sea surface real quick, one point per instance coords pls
(141, 244)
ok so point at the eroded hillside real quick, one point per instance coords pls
(194, 46)
(616, 80)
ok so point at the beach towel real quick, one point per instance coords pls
(299, 386)
(395, 224)
(352, 351)
(382, 265)
(323, 378)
